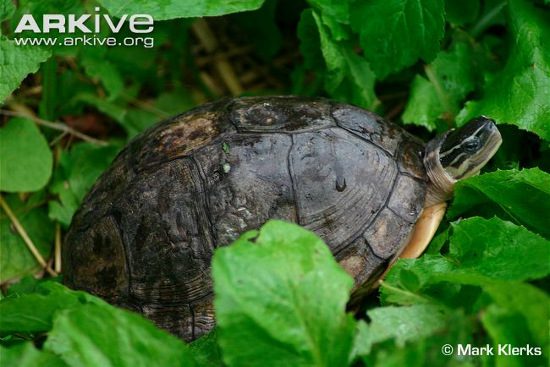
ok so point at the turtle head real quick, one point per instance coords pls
(465, 151)
(458, 154)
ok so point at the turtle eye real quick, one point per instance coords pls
(471, 145)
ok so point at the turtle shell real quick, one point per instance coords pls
(145, 234)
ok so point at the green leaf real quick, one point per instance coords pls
(261, 29)
(26, 355)
(419, 110)
(406, 323)
(449, 79)
(280, 300)
(519, 93)
(7, 8)
(508, 327)
(86, 331)
(27, 284)
(492, 247)
(206, 350)
(16, 62)
(481, 252)
(170, 9)
(26, 157)
(111, 109)
(337, 10)
(522, 195)
(310, 42)
(511, 312)
(77, 171)
(97, 67)
(410, 336)
(15, 258)
(20, 313)
(523, 299)
(50, 100)
(348, 77)
(96, 335)
(396, 33)
(395, 288)
(460, 12)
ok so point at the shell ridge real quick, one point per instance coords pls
(206, 201)
(293, 180)
(350, 131)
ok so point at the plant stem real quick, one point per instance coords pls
(483, 22)
(53, 125)
(57, 249)
(30, 245)
(421, 299)
(441, 94)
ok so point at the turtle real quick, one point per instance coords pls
(144, 236)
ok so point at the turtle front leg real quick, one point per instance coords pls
(424, 230)
(422, 234)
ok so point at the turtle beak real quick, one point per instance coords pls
(488, 134)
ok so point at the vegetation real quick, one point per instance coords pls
(427, 64)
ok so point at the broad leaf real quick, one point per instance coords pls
(507, 330)
(97, 67)
(337, 10)
(77, 171)
(461, 11)
(526, 300)
(15, 258)
(480, 248)
(16, 62)
(492, 248)
(519, 93)
(405, 323)
(261, 29)
(449, 78)
(410, 336)
(206, 350)
(170, 9)
(280, 300)
(26, 157)
(7, 8)
(481, 252)
(396, 33)
(348, 77)
(86, 331)
(522, 195)
(20, 313)
(98, 335)
(27, 355)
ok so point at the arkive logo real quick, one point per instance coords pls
(85, 30)
(85, 23)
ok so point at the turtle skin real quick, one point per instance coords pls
(145, 234)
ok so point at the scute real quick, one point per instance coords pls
(321, 161)
(388, 234)
(280, 114)
(409, 158)
(406, 187)
(101, 261)
(145, 234)
(179, 136)
(166, 230)
(247, 183)
(369, 126)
